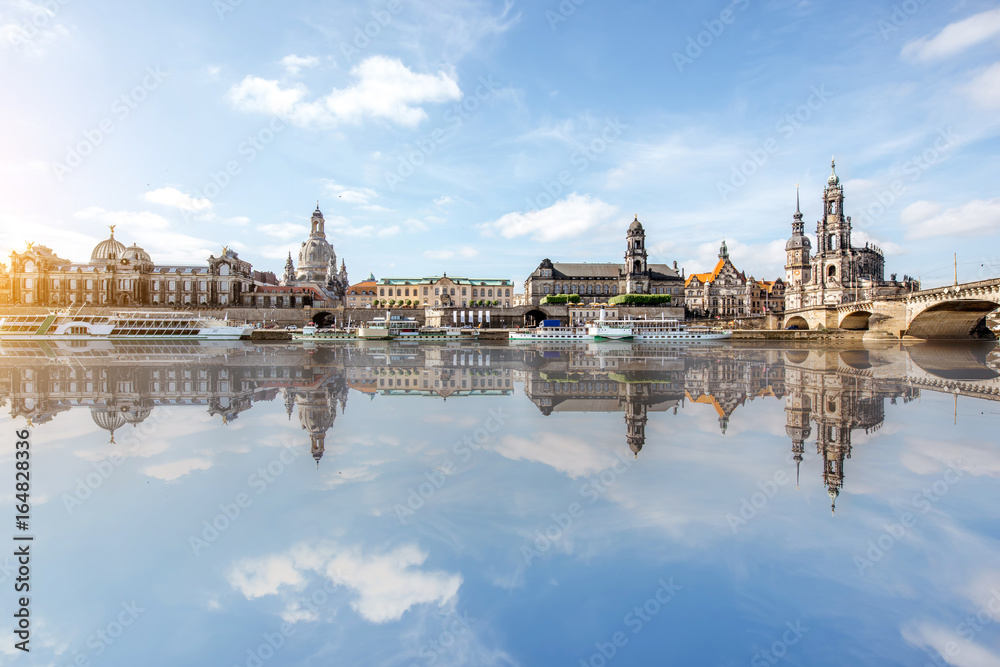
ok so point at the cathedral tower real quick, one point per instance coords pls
(833, 242)
(797, 262)
(635, 259)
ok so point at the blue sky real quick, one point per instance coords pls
(477, 138)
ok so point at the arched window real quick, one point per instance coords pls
(507, 293)
(833, 241)
(832, 272)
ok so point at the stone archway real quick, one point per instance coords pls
(857, 321)
(963, 319)
(534, 317)
(323, 319)
(798, 322)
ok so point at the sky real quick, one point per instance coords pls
(476, 138)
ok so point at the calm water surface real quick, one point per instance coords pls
(603, 504)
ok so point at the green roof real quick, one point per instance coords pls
(474, 282)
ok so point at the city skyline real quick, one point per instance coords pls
(427, 140)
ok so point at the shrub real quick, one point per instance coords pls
(561, 298)
(640, 300)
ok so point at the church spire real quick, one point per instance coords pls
(798, 227)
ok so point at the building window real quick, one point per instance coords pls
(202, 285)
(437, 292)
(187, 285)
(224, 286)
(453, 291)
(507, 292)
(382, 292)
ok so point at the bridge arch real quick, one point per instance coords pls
(797, 321)
(959, 319)
(534, 317)
(857, 321)
(323, 319)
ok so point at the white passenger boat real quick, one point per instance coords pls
(390, 326)
(638, 330)
(668, 330)
(549, 333)
(118, 325)
(605, 331)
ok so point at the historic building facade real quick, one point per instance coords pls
(361, 295)
(838, 272)
(317, 263)
(598, 281)
(725, 291)
(120, 275)
(446, 291)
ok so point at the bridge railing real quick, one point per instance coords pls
(991, 282)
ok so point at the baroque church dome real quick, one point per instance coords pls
(107, 250)
(136, 256)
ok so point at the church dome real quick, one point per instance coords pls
(834, 179)
(108, 249)
(798, 241)
(136, 255)
(108, 419)
(636, 226)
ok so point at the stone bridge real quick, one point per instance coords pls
(952, 312)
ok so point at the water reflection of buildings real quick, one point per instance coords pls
(838, 392)
(829, 394)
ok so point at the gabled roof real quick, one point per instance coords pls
(707, 277)
(364, 285)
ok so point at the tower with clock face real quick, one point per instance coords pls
(798, 272)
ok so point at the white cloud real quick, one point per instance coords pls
(960, 651)
(258, 577)
(176, 469)
(391, 230)
(984, 89)
(293, 64)
(925, 219)
(573, 456)
(173, 197)
(443, 200)
(386, 584)
(30, 26)
(351, 195)
(284, 230)
(567, 218)
(257, 95)
(128, 219)
(955, 37)
(384, 88)
(860, 237)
